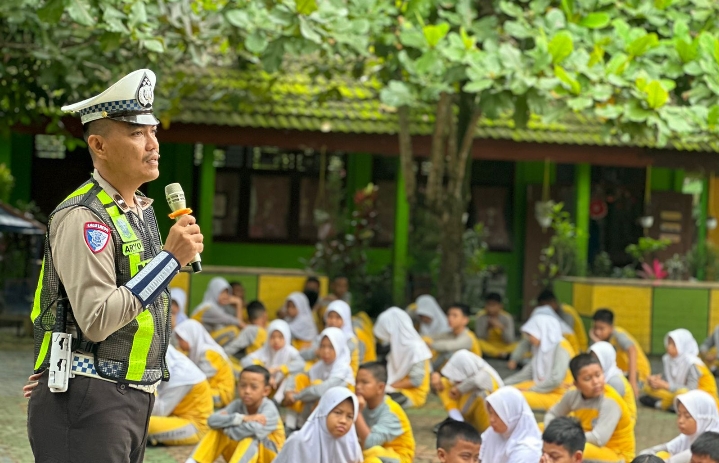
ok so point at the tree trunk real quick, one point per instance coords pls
(451, 258)
(405, 153)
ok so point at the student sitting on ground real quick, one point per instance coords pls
(209, 356)
(444, 345)
(337, 315)
(563, 441)
(495, 328)
(708, 349)
(333, 369)
(182, 405)
(706, 448)
(696, 414)
(220, 312)
(546, 377)
(382, 426)
(630, 356)
(513, 435)
(457, 442)
(524, 347)
(567, 313)
(602, 412)
(329, 435)
(339, 291)
(298, 314)
(178, 306)
(278, 356)
(253, 336)
(683, 371)
(605, 353)
(363, 327)
(249, 429)
(408, 360)
(433, 320)
(463, 386)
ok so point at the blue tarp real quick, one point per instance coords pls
(12, 222)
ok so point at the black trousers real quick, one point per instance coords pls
(94, 421)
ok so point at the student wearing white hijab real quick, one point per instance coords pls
(613, 376)
(463, 385)
(220, 312)
(427, 306)
(299, 316)
(524, 347)
(329, 435)
(179, 305)
(182, 405)
(210, 358)
(337, 315)
(408, 362)
(544, 380)
(514, 436)
(696, 414)
(683, 371)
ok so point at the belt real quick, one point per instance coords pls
(84, 365)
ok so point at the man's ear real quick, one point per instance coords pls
(268, 390)
(96, 144)
(578, 456)
(442, 455)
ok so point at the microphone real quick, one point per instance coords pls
(176, 200)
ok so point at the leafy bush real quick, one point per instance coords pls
(561, 257)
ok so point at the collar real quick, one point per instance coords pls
(140, 200)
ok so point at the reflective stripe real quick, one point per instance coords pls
(135, 260)
(80, 191)
(38, 291)
(105, 199)
(43, 349)
(140, 346)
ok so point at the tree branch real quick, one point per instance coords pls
(405, 153)
(464, 152)
(436, 174)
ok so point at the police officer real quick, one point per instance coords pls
(103, 253)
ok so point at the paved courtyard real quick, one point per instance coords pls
(16, 360)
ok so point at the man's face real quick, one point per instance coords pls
(602, 330)
(130, 151)
(590, 381)
(462, 452)
(456, 318)
(340, 286)
(493, 308)
(558, 454)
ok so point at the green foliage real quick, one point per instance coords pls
(7, 181)
(703, 257)
(561, 257)
(602, 266)
(646, 248)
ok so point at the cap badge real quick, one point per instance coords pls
(145, 95)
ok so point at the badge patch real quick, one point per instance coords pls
(96, 236)
(124, 229)
(145, 94)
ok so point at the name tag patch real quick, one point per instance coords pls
(127, 234)
(96, 236)
(132, 248)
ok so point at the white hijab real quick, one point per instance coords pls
(548, 310)
(214, 289)
(342, 309)
(676, 369)
(607, 357)
(406, 346)
(199, 340)
(703, 408)
(303, 325)
(340, 368)
(314, 444)
(178, 295)
(182, 371)
(548, 331)
(522, 441)
(429, 307)
(464, 365)
(269, 357)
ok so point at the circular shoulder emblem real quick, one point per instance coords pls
(145, 94)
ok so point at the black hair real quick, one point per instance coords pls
(451, 431)
(707, 445)
(581, 361)
(259, 370)
(340, 276)
(567, 432)
(647, 459)
(255, 309)
(604, 315)
(239, 283)
(546, 295)
(493, 297)
(461, 306)
(312, 280)
(378, 370)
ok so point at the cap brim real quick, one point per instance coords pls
(139, 119)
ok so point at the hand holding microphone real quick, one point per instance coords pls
(184, 240)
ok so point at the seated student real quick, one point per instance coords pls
(182, 405)
(278, 356)
(706, 448)
(523, 347)
(237, 289)
(383, 428)
(463, 386)
(339, 291)
(457, 442)
(602, 412)
(178, 305)
(312, 290)
(249, 429)
(209, 356)
(220, 312)
(630, 356)
(696, 414)
(298, 314)
(495, 328)
(332, 369)
(605, 353)
(363, 327)
(683, 371)
(567, 313)
(253, 336)
(329, 435)
(513, 435)
(546, 377)
(432, 319)
(337, 315)
(446, 344)
(563, 441)
(708, 349)
(408, 360)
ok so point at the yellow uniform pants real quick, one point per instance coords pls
(379, 454)
(472, 406)
(216, 443)
(300, 344)
(225, 335)
(540, 401)
(665, 396)
(495, 349)
(664, 455)
(173, 430)
(603, 454)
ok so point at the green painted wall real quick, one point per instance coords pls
(679, 308)
(664, 179)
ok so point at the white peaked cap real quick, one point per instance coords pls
(128, 100)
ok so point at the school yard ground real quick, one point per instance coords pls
(16, 364)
